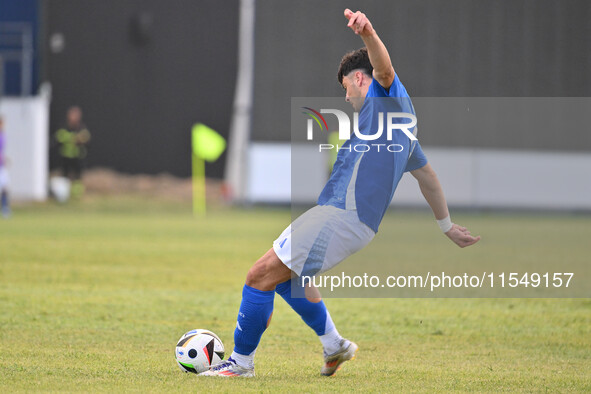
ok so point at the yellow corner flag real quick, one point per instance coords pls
(207, 145)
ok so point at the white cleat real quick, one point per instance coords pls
(333, 362)
(228, 369)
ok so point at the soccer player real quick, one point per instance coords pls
(4, 203)
(73, 140)
(349, 211)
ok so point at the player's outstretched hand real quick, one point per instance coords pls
(358, 22)
(461, 236)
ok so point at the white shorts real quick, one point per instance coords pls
(321, 238)
(4, 180)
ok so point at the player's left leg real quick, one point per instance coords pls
(77, 187)
(317, 241)
(312, 310)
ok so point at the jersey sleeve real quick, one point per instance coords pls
(417, 159)
(396, 90)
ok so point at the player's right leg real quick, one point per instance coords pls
(254, 315)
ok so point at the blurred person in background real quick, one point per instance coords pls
(3, 174)
(73, 140)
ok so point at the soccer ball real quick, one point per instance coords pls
(60, 188)
(197, 350)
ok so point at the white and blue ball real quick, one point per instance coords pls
(197, 350)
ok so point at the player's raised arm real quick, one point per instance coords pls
(383, 72)
(433, 193)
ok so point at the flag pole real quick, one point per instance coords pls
(199, 188)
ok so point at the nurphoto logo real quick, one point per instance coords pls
(344, 122)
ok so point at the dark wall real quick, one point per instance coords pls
(142, 90)
(439, 48)
(141, 95)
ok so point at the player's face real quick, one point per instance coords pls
(353, 95)
(74, 116)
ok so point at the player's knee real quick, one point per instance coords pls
(252, 275)
(267, 272)
(257, 274)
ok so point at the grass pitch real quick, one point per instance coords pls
(94, 295)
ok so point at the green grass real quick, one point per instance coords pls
(93, 297)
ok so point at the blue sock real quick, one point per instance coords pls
(255, 311)
(4, 200)
(313, 314)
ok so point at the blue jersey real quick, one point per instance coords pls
(366, 172)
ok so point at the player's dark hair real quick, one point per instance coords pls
(354, 60)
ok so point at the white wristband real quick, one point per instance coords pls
(445, 224)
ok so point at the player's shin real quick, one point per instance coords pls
(314, 314)
(253, 318)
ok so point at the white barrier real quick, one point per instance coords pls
(26, 127)
(475, 178)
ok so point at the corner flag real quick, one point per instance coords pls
(207, 145)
